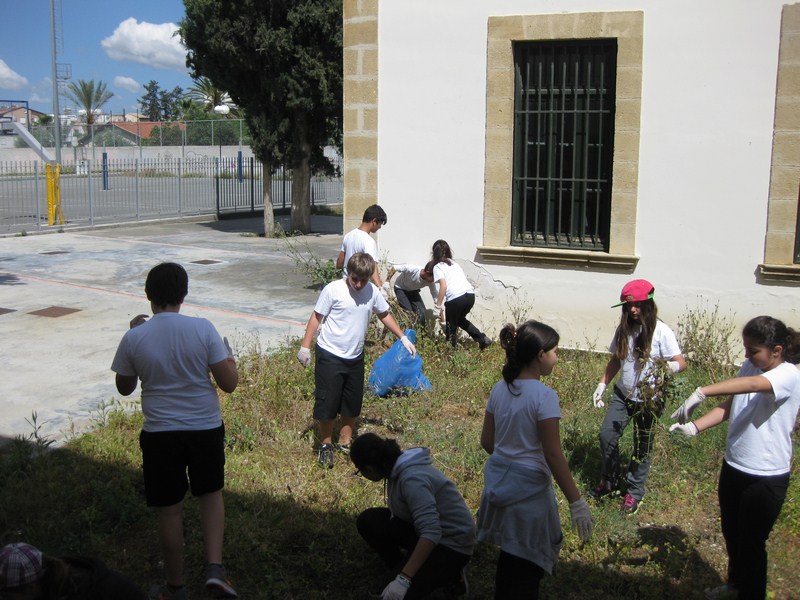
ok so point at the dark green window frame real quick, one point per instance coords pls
(564, 110)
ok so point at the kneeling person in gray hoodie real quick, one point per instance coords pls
(427, 533)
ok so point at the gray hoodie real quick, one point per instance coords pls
(419, 493)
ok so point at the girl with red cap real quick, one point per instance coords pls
(639, 339)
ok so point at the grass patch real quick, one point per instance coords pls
(290, 526)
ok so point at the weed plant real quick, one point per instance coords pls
(290, 526)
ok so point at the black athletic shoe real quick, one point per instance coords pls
(325, 456)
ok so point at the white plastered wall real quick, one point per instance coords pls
(708, 102)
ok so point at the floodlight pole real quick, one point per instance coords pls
(56, 109)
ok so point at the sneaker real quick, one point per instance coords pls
(343, 448)
(604, 488)
(325, 456)
(630, 505)
(217, 582)
(484, 342)
(722, 592)
(164, 592)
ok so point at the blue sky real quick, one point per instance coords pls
(125, 44)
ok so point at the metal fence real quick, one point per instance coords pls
(124, 190)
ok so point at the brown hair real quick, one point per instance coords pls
(361, 264)
(626, 328)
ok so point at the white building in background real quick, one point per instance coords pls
(666, 146)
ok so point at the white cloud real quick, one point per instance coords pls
(127, 83)
(10, 79)
(155, 45)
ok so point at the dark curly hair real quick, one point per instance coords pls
(771, 332)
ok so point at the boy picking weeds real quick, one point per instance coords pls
(341, 315)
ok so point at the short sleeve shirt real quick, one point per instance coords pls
(358, 241)
(455, 279)
(664, 345)
(346, 314)
(761, 423)
(516, 416)
(172, 354)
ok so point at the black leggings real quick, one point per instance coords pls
(390, 536)
(516, 578)
(455, 314)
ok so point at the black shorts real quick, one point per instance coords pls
(339, 385)
(168, 455)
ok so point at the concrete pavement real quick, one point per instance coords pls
(66, 300)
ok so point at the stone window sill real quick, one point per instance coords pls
(778, 273)
(557, 258)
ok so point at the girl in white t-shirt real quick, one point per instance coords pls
(640, 338)
(762, 405)
(518, 510)
(456, 295)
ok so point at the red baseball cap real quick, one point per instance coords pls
(637, 290)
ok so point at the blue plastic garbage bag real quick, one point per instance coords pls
(397, 372)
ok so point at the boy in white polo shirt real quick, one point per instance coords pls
(341, 315)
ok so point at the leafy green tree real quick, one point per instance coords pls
(88, 96)
(161, 105)
(171, 104)
(149, 103)
(281, 62)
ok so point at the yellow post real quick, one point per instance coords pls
(54, 194)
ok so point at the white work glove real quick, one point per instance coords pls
(385, 290)
(685, 410)
(412, 350)
(397, 588)
(674, 365)
(304, 356)
(582, 519)
(597, 397)
(227, 347)
(689, 430)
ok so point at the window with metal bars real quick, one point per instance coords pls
(563, 143)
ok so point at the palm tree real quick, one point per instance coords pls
(206, 93)
(88, 96)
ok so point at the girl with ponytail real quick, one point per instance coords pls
(518, 508)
